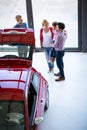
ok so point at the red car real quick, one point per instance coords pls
(24, 94)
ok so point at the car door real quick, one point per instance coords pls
(41, 94)
(33, 96)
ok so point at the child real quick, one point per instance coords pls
(52, 56)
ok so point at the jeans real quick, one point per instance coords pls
(53, 52)
(59, 62)
(47, 51)
(22, 51)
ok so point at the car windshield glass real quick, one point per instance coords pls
(14, 50)
(12, 115)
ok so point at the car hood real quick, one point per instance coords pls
(14, 75)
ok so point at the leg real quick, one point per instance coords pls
(25, 51)
(47, 51)
(19, 51)
(59, 62)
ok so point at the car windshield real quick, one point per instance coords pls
(15, 50)
(12, 115)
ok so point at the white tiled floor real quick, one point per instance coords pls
(68, 99)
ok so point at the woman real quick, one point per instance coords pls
(46, 36)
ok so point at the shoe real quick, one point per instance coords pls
(57, 74)
(60, 79)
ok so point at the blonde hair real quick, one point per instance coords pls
(45, 22)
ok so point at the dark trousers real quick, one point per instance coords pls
(59, 62)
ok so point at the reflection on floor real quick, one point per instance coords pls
(68, 99)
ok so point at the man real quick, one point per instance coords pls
(22, 49)
(20, 23)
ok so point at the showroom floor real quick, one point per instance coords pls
(68, 99)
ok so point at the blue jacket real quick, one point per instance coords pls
(24, 25)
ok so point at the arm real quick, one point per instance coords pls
(58, 42)
(25, 25)
(65, 33)
(41, 37)
(16, 26)
(51, 30)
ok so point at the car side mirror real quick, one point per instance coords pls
(38, 120)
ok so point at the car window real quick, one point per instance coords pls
(35, 81)
(14, 50)
(32, 95)
(12, 112)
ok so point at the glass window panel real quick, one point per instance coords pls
(57, 10)
(9, 9)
